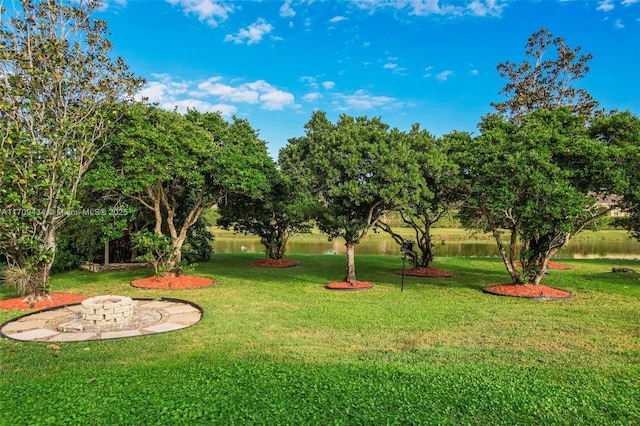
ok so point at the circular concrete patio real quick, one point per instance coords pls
(64, 324)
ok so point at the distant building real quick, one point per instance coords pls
(608, 200)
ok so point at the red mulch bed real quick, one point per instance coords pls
(528, 290)
(345, 286)
(425, 272)
(57, 299)
(172, 283)
(275, 263)
(556, 265)
(553, 265)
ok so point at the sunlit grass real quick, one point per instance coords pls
(275, 347)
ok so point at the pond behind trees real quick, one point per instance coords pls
(577, 249)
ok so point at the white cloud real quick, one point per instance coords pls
(605, 6)
(311, 97)
(628, 2)
(432, 7)
(618, 24)
(361, 100)
(444, 75)
(210, 11)
(286, 11)
(107, 3)
(486, 8)
(274, 99)
(182, 106)
(394, 67)
(213, 95)
(252, 34)
(481, 8)
(225, 92)
(427, 72)
(337, 19)
(473, 72)
(328, 85)
(309, 81)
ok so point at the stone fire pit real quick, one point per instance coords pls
(106, 310)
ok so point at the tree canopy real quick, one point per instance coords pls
(278, 212)
(358, 169)
(539, 181)
(177, 166)
(59, 87)
(546, 80)
(439, 192)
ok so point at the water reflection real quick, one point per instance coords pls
(576, 250)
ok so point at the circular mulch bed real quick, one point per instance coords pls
(345, 286)
(530, 291)
(275, 263)
(425, 272)
(56, 299)
(181, 282)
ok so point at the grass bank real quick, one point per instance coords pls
(275, 347)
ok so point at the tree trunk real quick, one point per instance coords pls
(542, 249)
(351, 264)
(176, 255)
(425, 244)
(39, 280)
(426, 247)
(276, 245)
(39, 283)
(509, 260)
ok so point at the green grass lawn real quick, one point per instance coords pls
(275, 347)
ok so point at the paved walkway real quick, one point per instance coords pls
(65, 324)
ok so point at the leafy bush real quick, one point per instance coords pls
(17, 277)
(156, 249)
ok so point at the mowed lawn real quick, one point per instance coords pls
(275, 347)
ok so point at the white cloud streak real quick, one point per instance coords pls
(252, 34)
(214, 95)
(480, 8)
(337, 19)
(444, 75)
(361, 100)
(605, 6)
(210, 11)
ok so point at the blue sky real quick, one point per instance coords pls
(431, 62)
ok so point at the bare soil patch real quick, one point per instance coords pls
(56, 299)
(425, 272)
(181, 282)
(275, 263)
(541, 292)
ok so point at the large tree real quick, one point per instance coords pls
(440, 193)
(535, 185)
(536, 170)
(177, 166)
(358, 169)
(278, 212)
(59, 87)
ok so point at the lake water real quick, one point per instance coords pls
(627, 249)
